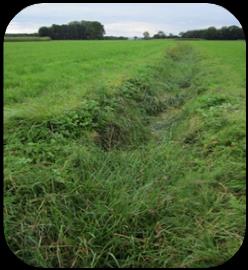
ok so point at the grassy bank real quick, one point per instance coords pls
(149, 172)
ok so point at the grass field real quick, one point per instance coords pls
(124, 153)
(68, 73)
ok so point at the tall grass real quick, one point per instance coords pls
(150, 174)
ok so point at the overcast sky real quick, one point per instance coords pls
(124, 19)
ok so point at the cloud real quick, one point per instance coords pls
(127, 19)
(130, 28)
(19, 27)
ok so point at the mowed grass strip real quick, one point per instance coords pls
(158, 182)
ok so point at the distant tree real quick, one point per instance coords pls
(115, 38)
(225, 33)
(93, 30)
(235, 32)
(146, 35)
(74, 30)
(43, 32)
(160, 34)
(210, 33)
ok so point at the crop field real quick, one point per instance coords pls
(124, 153)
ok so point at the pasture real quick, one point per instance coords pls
(124, 153)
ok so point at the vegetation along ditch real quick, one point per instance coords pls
(149, 173)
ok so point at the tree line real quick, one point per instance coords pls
(95, 30)
(159, 35)
(22, 35)
(115, 38)
(225, 33)
(74, 30)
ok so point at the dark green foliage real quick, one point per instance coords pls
(225, 33)
(162, 35)
(74, 30)
(211, 101)
(115, 38)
